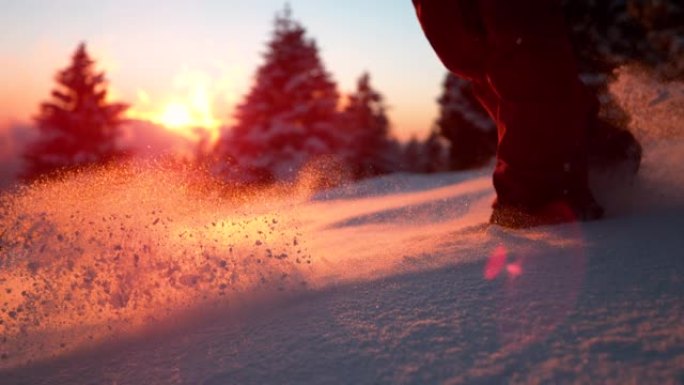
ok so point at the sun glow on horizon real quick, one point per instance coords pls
(176, 116)
(190, 109)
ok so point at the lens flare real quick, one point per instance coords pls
(495, 263)
(533, 304)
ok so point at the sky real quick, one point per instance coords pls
(183, 63)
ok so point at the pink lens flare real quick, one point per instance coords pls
(538, 282)
(496, 263)
(514, 269)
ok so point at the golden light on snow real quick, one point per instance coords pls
(108, 261)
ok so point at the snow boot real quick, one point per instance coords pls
(563, 210)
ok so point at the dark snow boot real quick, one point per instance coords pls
(558, 211)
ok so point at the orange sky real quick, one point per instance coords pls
(188, 63)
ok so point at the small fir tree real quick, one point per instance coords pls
(425, 157)
(435, 154)
(287, 119)
(78, 127)
(369, 149)
(465, 125)
(413, 158)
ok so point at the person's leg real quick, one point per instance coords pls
(522, 67)
(541, 108)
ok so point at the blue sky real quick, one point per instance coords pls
(155, 52)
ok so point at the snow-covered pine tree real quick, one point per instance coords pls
(288, 117)
(611, 33)
(78, 127)
(465, 124)
(369, 150)
(663, 21)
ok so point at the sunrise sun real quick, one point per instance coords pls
(175, 116)
(187, 108)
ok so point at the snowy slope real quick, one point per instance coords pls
(405, 285)
(150, 275)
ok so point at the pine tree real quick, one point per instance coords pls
(435, 154)
(412, 155)
(78, 127)
(425, 157)
(611, 33)
(366, 128)
(465, 124)
(287, 119)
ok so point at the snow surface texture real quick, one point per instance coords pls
(143, 275)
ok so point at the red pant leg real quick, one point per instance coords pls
(541, 108)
